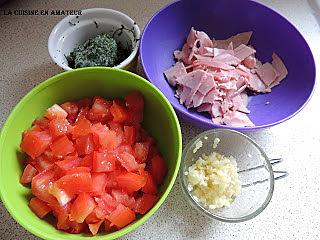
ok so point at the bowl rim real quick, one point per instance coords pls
(189, 116)
(59, 77)
(204, 210)
(65, 20)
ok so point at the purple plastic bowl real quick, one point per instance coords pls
(167, 31)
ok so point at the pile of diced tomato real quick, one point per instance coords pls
(92, 165)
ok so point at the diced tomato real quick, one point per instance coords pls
(129, 134)
(130, 181)
(81, 207)
(34, 143)
(62, 146)
(62, 215)
(85, 103)
(124, 148)
(111, 181)
(108, 139)
(135, 117)
(55, 111)
(72, 109)
(100, 111)
(92, 217)
(68, 163)
(150, 186)
(77, 170)
(108, 228)
(158, 169)
(103, 161)
(123, 197)
(28, 173)
(145, 203)
(106, 205)
(141, 150)
(119, 112)
(59, 126)
(40, 184)
(76, 227)
(94, 227)
(39, 207)
(75, 182)
(81, 128)
(134, 101)
(99, 183)
(87, 161)
(122, 216)
(128, 161)
(42, 163)
(84, 145)
(83, 114)
(41, 122)
(115, 126)
(61, 195)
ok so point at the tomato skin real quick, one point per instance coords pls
(158, 169)
(150, 186)
(129, 134)
(39, 207)
(103, 162)
(119, 112)
(100, 182)
(41, 183)
(81, 207)
(122, 216)
(41, 122)
(28, 173)
(81, 128)
(145, 203)
(42, 163)
(87, 161)
(34, 143)
(62, 146)
(106, 205)
(130, 181)
(134, 101)
(59, 126)
(68, 162)
(84, 145)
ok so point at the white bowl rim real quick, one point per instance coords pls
(65, 20)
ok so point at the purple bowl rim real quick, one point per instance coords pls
(185, 114)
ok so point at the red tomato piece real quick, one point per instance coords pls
(108, 228)
(59, 126)
(72, 109)
(106, 205)
(40, 185)
(122, 216)
(81, 128)
(115, 126)
(119, 112)
(76, 170)
(34, 143)
(87, 161)
(39, 207)
(92, 217)
(62, 146)
(103, 162)
(134, 101)
(141, 150)
(62, 215)
(84, 145)
(145, 203)
(68, 163)
(55, 111)
(130, 181)
(83, 114)
(76, 227)
(150, 186)
(61, 195)
(129, 134)
(111, 181)
(81, 207)
(100, 111)
(41, 122)
(158, 169)
(94, 227)
(123, 197)
(42, 163)
(85, 103)
(135, 117)
(28, 173)
(75, 181)
(108, 139)
(99, 183)
(128, 161)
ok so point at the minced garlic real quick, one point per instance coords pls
(214, 180)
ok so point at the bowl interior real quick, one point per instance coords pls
(75, 30)
(254, 197)
(73, 85)
(221, 19)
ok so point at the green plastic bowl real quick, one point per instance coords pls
(159, 119)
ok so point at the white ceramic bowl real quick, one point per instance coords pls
(75, 30)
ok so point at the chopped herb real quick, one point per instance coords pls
(102, 50)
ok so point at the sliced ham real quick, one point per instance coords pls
(213, 75)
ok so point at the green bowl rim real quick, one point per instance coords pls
(54, 79)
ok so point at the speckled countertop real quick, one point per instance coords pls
(294, 209)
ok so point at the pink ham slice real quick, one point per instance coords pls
(175, 72)
(212, 64)
(257, 85)
(237, 40)
(250, 62)
(278, 64)
(267, 73)
(205, 107)
(237, 119)
(243, 51)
